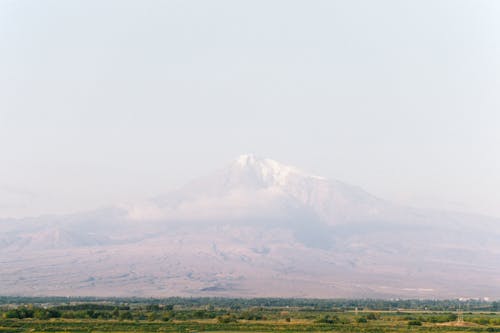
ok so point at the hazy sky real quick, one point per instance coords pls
(109, 101)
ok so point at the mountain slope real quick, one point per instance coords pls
(254, 228)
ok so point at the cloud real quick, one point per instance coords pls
(236, 204)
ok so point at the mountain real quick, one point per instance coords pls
(254, 228)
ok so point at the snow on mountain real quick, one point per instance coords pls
(252, 186)
(254, 228)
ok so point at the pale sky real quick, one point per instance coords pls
(110, 101)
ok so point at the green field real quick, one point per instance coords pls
(233, 315)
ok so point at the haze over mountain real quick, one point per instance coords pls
(254, 228)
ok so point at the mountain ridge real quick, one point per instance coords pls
(254, 228)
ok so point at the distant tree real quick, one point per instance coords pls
(373, 316)
(495, 306)
(225, 319)
(328, 319)
(126, 315)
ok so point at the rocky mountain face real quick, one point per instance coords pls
(254, 228)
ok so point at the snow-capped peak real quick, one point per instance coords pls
(271, 172)
(246, 159)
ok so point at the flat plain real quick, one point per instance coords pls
(222, 315)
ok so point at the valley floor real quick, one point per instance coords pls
(281, 321)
